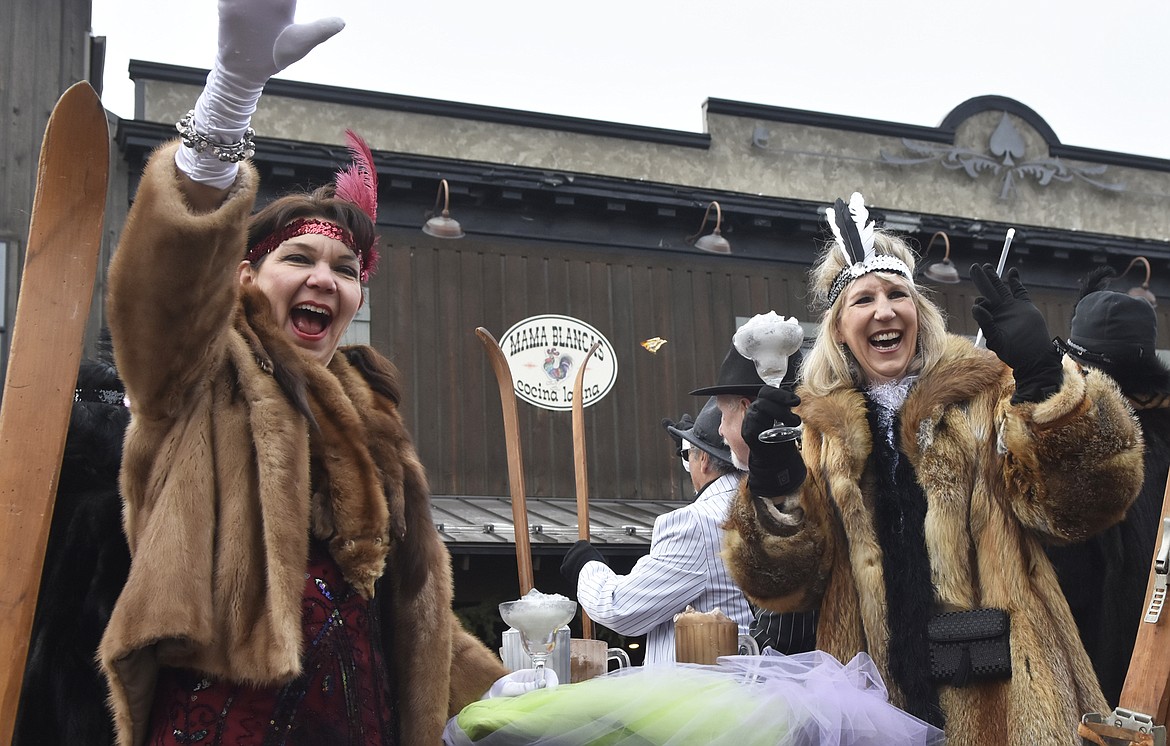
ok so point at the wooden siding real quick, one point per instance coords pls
(430, 296)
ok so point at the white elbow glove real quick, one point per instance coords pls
(257, 39)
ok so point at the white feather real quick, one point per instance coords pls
(864, 224)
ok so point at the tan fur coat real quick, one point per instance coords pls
(999, 481)
(217, 485)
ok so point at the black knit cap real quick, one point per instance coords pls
(1114, 325)
(738, 376)
(704, 434)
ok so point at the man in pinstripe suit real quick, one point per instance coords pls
(684, 566)
(736, 388)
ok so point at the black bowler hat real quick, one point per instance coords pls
(704, 433)
(1114, 326)
(738, 376)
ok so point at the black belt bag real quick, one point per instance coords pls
(970, 646)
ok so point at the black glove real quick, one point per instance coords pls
(774, 469)
(1016, 332)
(575, 559)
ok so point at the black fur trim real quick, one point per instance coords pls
(900, 522)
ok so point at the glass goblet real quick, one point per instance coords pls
(537, 621)
(779, 432)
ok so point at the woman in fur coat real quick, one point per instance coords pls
(930, 475)
(287, 584)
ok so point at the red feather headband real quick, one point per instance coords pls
(356, 183)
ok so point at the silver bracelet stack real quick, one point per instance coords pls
(234, 152)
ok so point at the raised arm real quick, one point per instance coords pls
(173, 277)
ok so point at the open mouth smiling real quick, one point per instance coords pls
(310, 320)
(887, 340)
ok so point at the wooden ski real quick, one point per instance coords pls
(507, 386)
(581, 468)
(60, 264)
(1140, 717)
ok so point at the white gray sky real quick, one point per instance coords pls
(1096, 72)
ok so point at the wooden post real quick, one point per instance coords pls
(515, 456)
(581, 469)
(65, 234)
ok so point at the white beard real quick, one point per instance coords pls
(737, 463)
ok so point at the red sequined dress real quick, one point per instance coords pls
(342, 697)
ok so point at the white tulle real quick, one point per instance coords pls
(798, 700)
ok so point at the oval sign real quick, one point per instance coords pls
(545, 352)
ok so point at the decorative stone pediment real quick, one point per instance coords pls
(1003, 159)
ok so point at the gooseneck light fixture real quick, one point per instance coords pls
(1143, 291)
(713, 242)
(441, 224)
(944, 270)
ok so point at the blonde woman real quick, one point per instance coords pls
(936, 472)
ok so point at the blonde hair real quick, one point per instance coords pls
(830, 366)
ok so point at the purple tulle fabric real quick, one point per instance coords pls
(804, 699)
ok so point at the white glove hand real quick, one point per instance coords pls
(521, 682)
(257, 39)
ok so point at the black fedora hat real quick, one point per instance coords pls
(704, 433)
(738, 376)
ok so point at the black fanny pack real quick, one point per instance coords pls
(970, 646)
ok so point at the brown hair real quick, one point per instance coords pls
(321, 203)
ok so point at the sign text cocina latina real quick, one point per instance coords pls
(545, 353)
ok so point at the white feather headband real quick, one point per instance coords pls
(853, 231)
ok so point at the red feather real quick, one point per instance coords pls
(358, 183)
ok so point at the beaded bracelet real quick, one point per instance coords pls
(234, 152)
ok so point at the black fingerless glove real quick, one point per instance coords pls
(1016, 333)
(579, 554)
(774, 469)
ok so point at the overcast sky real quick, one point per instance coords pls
(1096, 72)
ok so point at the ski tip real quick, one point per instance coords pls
(82, 108)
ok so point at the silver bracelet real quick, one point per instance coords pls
(234, 152)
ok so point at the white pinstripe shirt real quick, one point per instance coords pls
(683, 567)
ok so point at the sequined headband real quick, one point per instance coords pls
(854, 234)
(99, 396)
(872, 263)
(356, 183)
(302, 226)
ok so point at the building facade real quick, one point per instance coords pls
(596, 220)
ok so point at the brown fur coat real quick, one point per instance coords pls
(219, 498)
(999, 480)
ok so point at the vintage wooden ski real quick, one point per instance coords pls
(507, 387)
(581, 468)
(1140, 717)
(60, 264)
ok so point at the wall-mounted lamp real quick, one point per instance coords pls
(1143, 291)
(941, 271)
(713, 241)
(441, 224)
